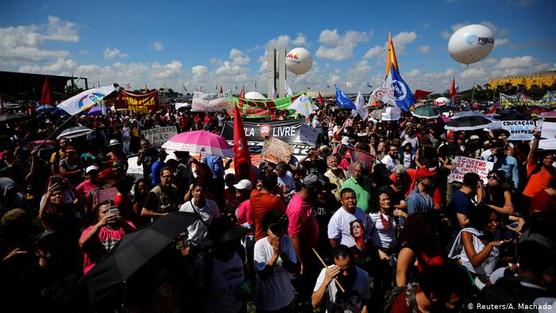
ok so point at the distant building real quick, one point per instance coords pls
(542, 78)
(25, 86)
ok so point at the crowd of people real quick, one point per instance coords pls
(329, 232)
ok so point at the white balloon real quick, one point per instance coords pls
(254, 95)
(471, 43)
(299, 60)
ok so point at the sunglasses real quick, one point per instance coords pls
(493, 177)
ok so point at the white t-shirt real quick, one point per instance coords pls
(197, 231)
(339, 227)
(223, 285)
(276, 291)
(458, 252)
(360, 292)
(383, 238)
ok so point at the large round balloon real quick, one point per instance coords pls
(471, 43)
(299, 61)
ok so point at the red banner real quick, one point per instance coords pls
(146, 102)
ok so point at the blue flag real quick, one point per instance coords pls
(343, 101)
(404, 96)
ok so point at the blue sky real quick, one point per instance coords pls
(205, 43)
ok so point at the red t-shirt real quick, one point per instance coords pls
(105, 239)
(537, 181)
(262, 203)
(542, 202)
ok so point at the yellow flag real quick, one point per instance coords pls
(391, 56)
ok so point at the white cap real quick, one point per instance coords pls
(345, 140)
(243, 184)
(91, 168)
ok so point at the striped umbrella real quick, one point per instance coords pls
(74, 132)
(199, 141)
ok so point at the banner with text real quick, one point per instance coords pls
(287, 131)
(146, 102)
(519, 129)
(252, 108)
(468, 165)
(159, 135)
(275, 150)
(309, 134)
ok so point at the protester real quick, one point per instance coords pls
(98, 239)
(354, 293)
(360, 184)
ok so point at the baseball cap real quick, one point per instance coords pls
(312, 181)
(474, 137)
(91, 168)
(243, 184)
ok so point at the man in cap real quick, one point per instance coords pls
(303, 228)
(90, 183)
(505, 163)
(147, 156)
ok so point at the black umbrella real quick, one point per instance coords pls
(470, 123)
(13, 117)
(131, 253)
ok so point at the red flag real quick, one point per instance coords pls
(46, 97)
(453, 89)
(242, 158)
(421, 94)
(320, 99)
(242, 96)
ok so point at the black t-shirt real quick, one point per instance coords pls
(150, 156)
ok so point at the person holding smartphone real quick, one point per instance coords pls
(98, 239)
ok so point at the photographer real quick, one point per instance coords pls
(98, 239)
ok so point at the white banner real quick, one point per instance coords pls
(519, 129)
(548, 129)
(468, 165)
(86, 99)
(159, 135)
(209, 102)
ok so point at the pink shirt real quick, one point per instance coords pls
(243, 213)
(301, 221)
(85, 188)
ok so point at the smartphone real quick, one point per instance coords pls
(114, 211)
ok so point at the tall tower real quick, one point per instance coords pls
(276, 71)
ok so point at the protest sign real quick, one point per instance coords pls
(101, 195)
(519, 129)
(548, 130)
(275, 150)
(308, 134)
(159, 135)
(468, 165)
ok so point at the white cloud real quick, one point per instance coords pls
(170, 70)
(110, 53)
(401, 40)
(424, 49)
(157, 45)
(59, 30)
(335, 46)
(199, 70)
(22, 44)
(413, 73)
(238, 58)
(300, 40)
(280, 42)
(517, 62)
(374, 52)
